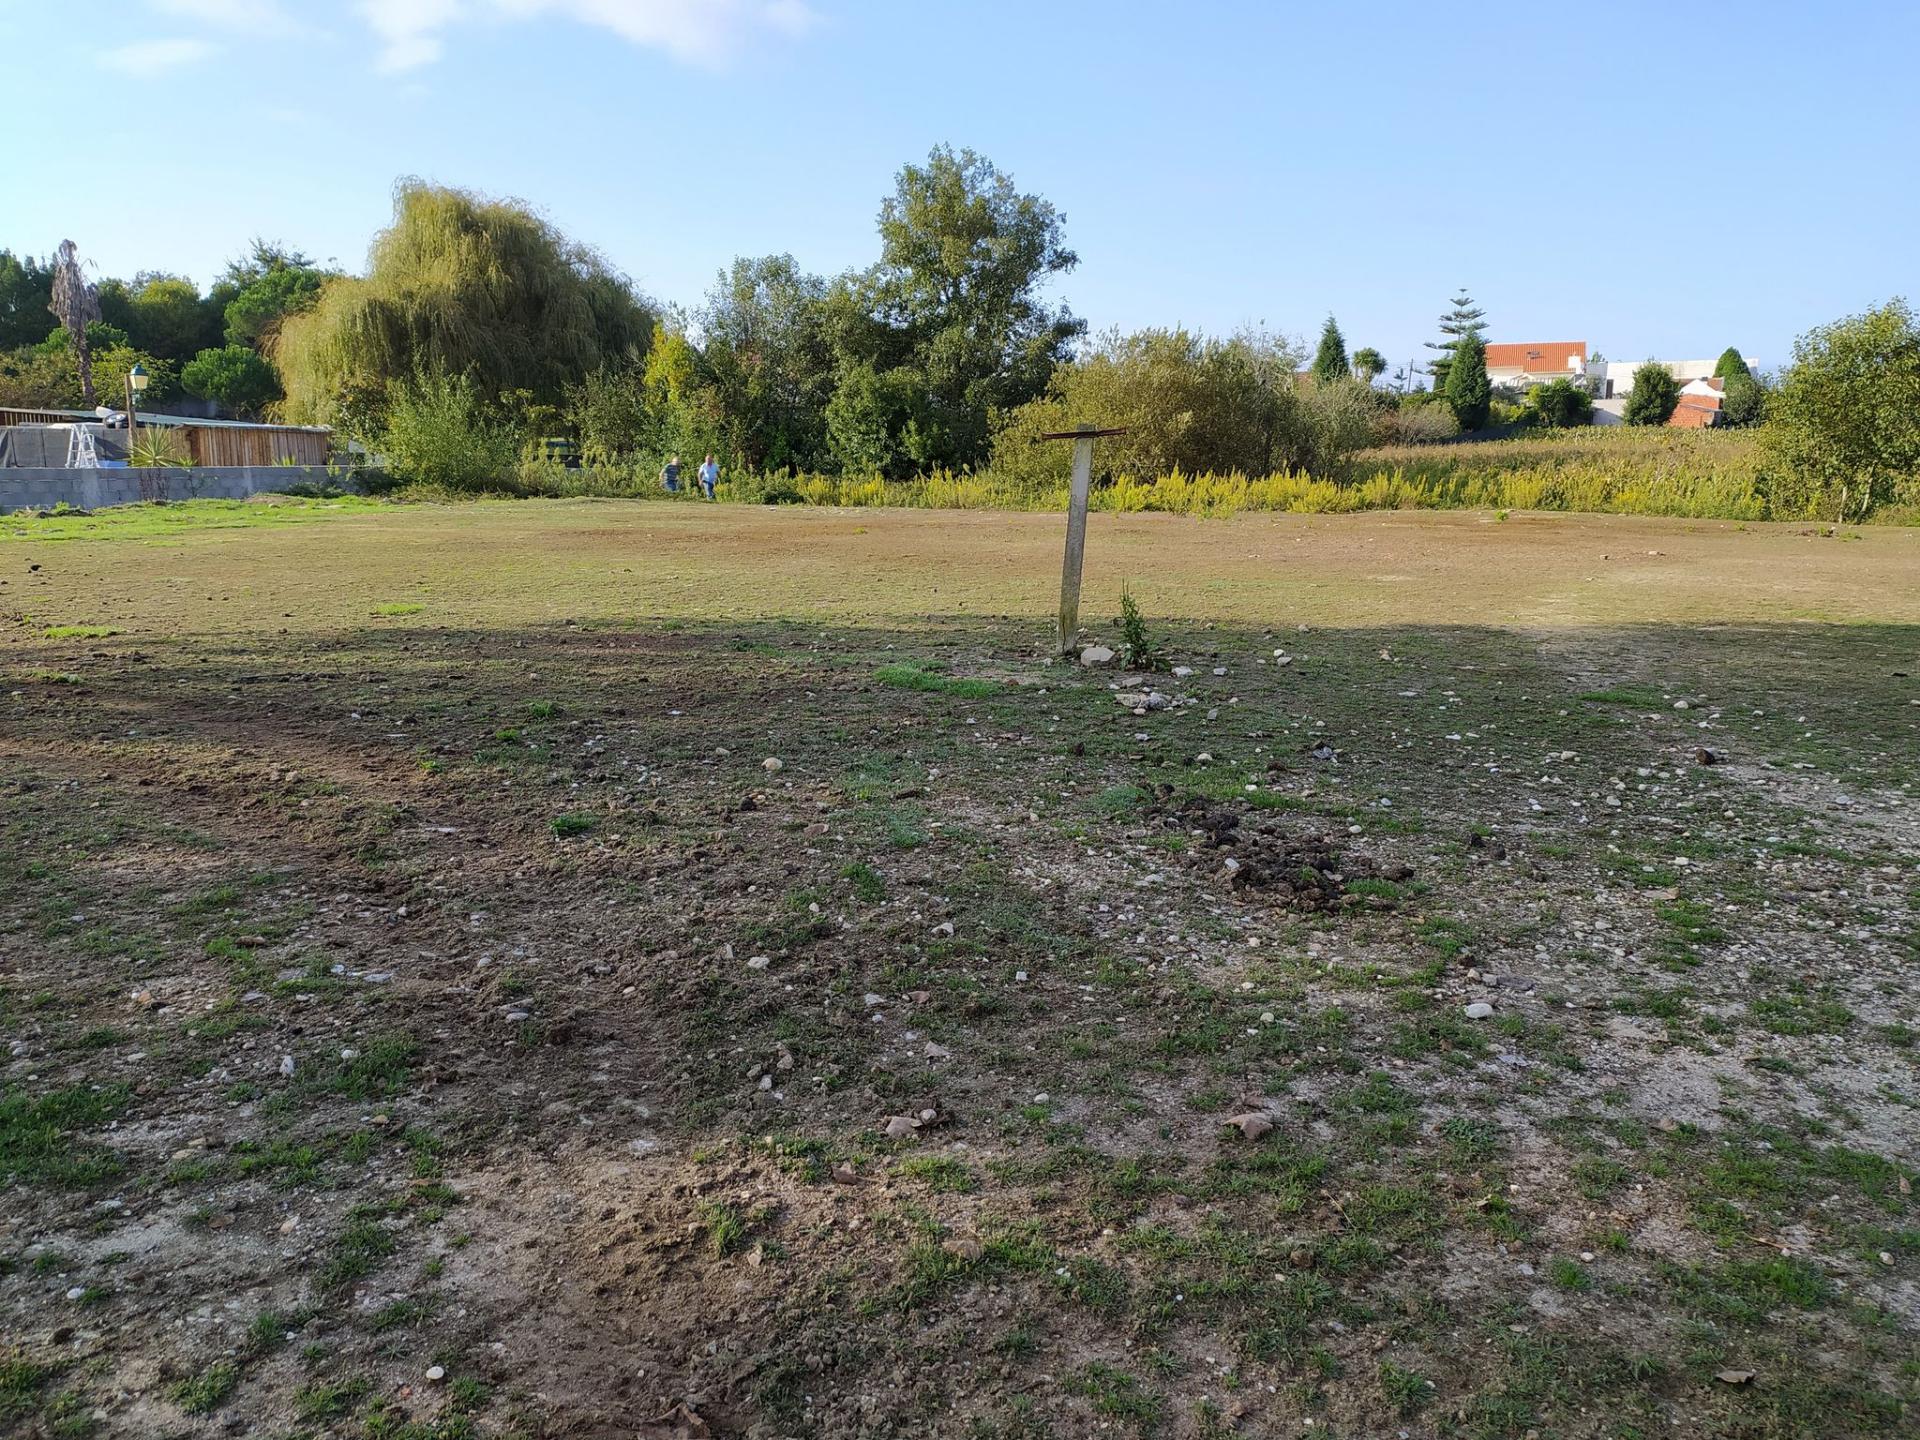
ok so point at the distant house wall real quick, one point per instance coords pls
(32, 488)
(1616, 377)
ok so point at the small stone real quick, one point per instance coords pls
(76, 1292)
(1479, 1010)
(1094, 655)
(772, 765)
(1020, 975)
(945, 927)
(1252, 1125)
(516, 1017)
(286, 1064)
(1042, 1098)
(436, 1373)
(899, 1127)
(759, 962)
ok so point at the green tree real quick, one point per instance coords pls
(956, 302)
(874, 421)
(1330, 361)
(1654, 397)
(458, 285)
(1469, 395)
(26, 295)
(235, 376)
(770, 356)
(1369, 364)
(1730, 364)
(1744, 401)
(166, 316)
(1844, 424)
(680, 401)
(607, 412)
(1464, 319)
(1560, 403)
(1194, 405)
(283, 286)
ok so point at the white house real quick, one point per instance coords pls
(1523, 365)
(1614, 378)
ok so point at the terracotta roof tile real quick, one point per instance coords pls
(1545, 358)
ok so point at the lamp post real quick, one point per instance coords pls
(136, 387)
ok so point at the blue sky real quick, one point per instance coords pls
(1654, 179)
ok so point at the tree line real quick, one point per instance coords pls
(479, 333)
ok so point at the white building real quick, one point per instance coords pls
(1520, 366)
(1613, 379)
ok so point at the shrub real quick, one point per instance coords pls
(1136, 642)
(1845, 422)
(438, 433)
(1415, 424)
(1560, 404)
(157, 446)
(1655, 395)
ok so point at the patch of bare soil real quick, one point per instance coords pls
(1261, 852)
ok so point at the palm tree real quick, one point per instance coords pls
(1367, 363)
(76, 304)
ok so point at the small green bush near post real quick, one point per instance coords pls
(1136, 644)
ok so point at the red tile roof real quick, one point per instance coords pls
(1546, 358)
(1695, 412)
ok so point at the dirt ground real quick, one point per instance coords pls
(628, 969)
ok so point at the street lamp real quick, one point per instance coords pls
(136, 387)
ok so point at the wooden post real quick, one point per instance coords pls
(1076, 544)
(1083, 439)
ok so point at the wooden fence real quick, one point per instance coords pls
(216, 444)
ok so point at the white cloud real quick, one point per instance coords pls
(696, 32)
(153, 57)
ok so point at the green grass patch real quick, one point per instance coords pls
(79, 632)
(915, 677)
(37, 1136)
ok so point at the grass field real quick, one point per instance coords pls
(432, 1012)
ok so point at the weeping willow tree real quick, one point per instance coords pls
(465, 287)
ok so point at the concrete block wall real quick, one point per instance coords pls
(30, 488)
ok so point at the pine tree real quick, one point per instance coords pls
(1469, 394)
(1730, 364)
(1464, 319)
(1330, 360)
